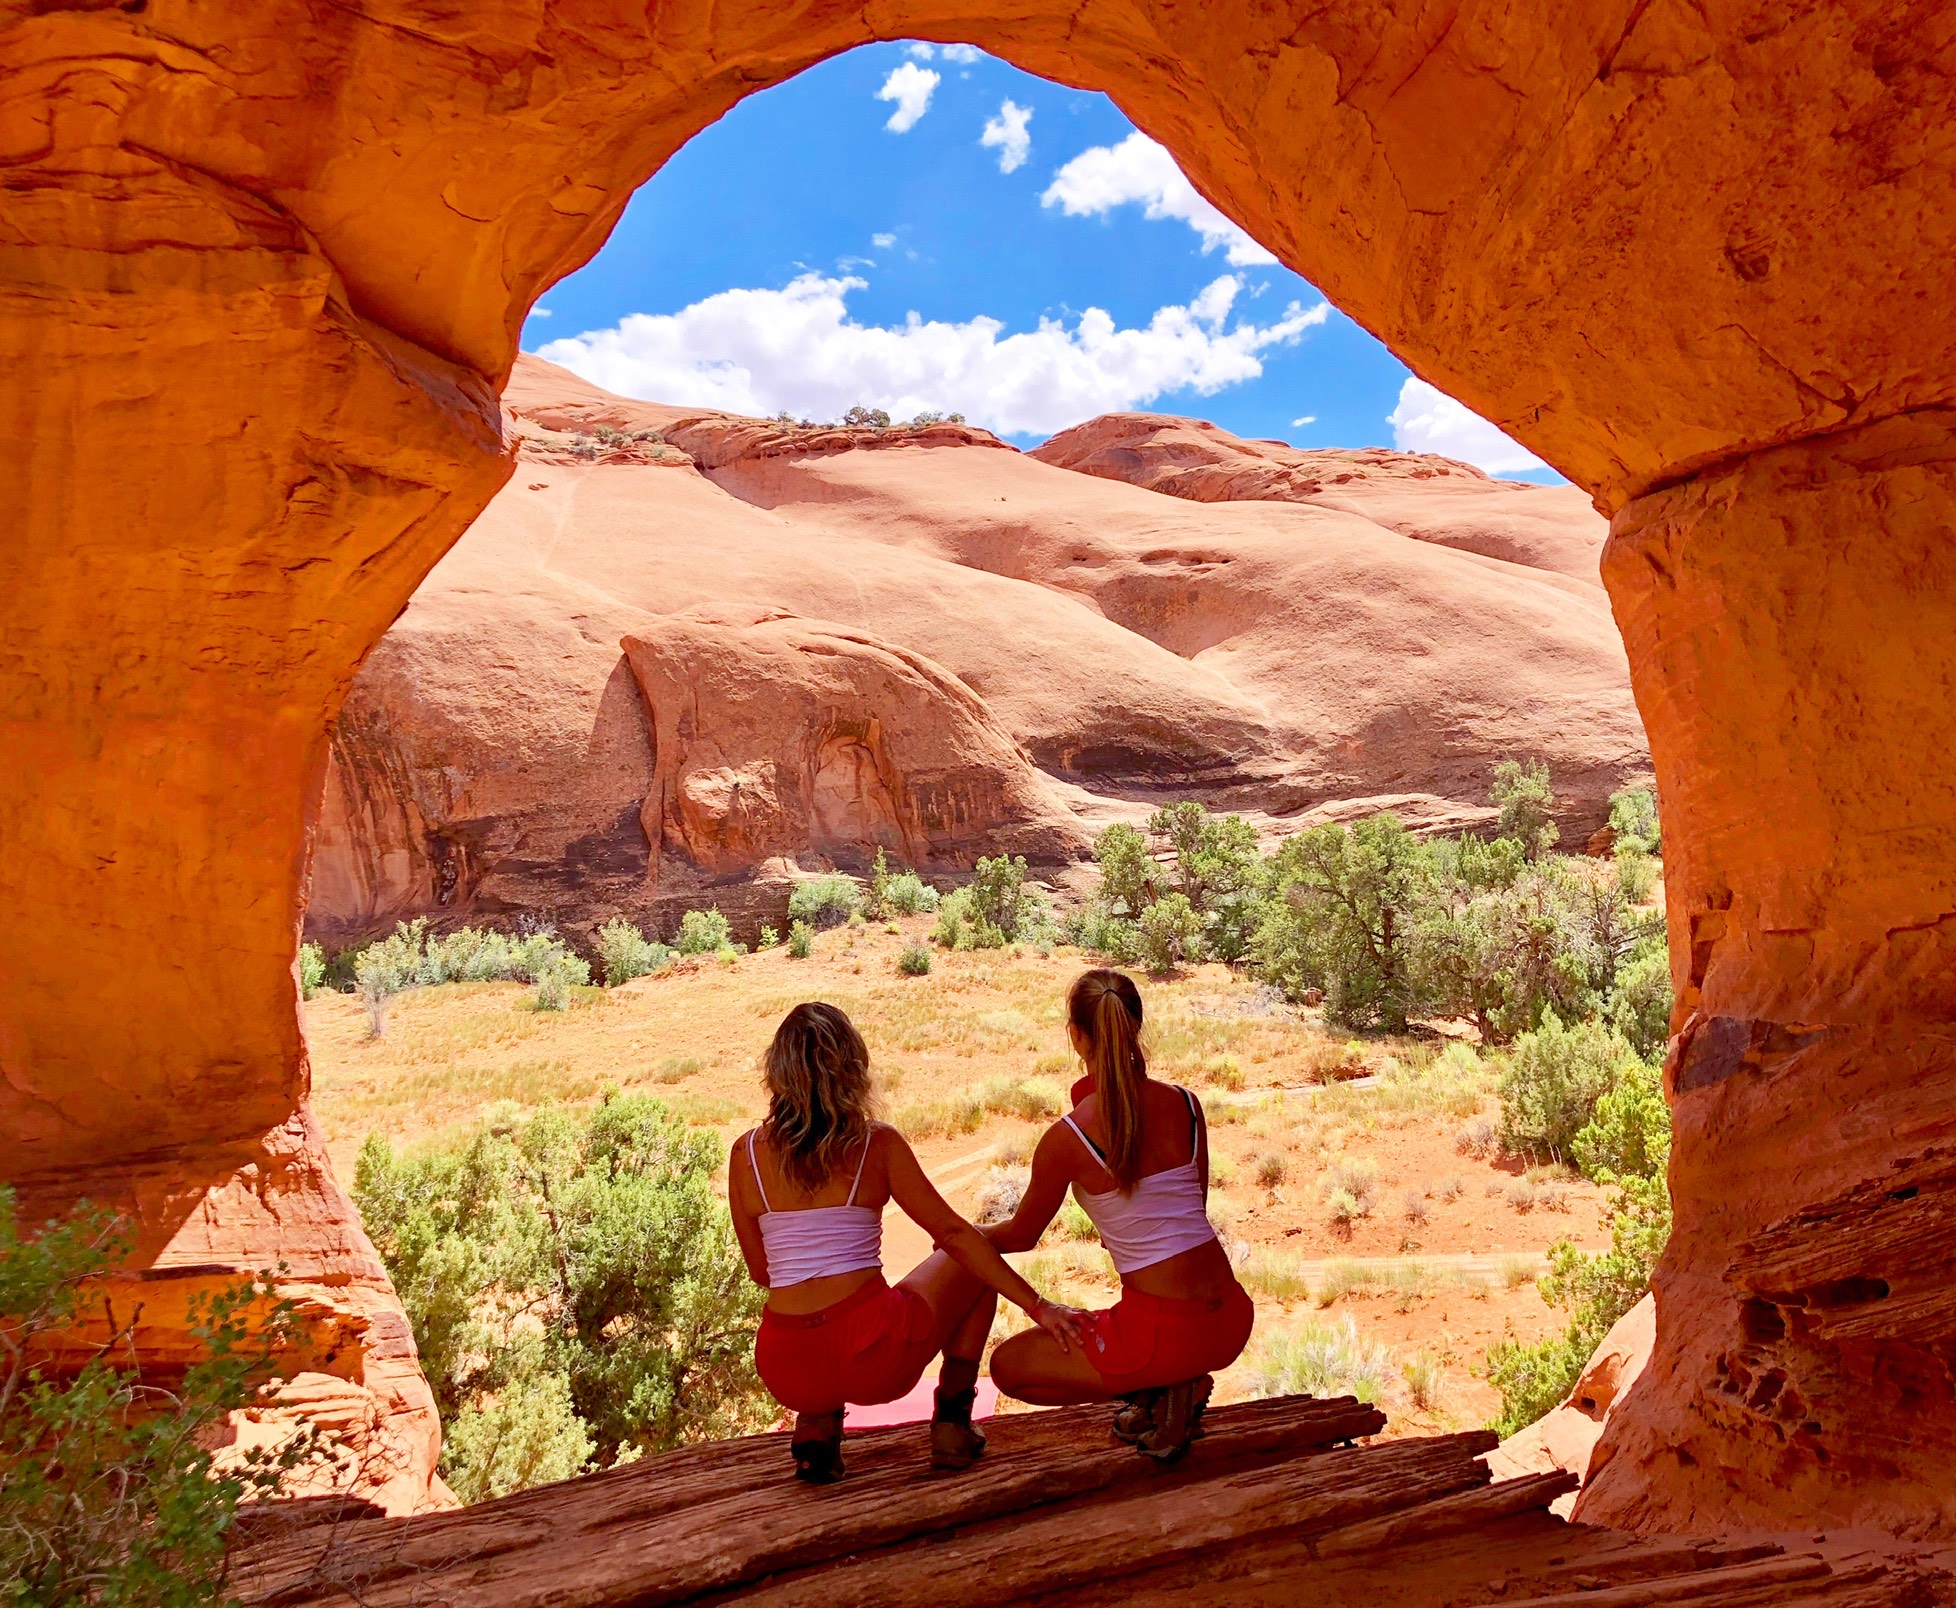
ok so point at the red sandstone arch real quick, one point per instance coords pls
(262, 269)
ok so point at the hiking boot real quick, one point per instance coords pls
(1134, 1419)
(955, 1441)
(817, 1448)
(1177, 1419)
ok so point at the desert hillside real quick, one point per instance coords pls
(684, 650)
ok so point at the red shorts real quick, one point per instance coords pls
(869, 1347)
(1150, 1340)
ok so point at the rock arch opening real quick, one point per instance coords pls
(1629, 235)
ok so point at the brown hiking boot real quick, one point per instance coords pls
(1134, 1419)
(955, 1443)
(817, 1448)
(1177, 1419)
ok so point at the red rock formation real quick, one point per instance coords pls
(262, 270)
(780, 736)
(1274, 659)
(1430, 498)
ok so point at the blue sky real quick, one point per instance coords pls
(913, 227)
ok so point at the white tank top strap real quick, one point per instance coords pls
(1098, 1154)
(754, 1161)
(861, 1162)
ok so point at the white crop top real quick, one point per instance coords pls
(1163, 1215)
(814, 1242)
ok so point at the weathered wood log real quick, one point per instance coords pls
(1005, 1562)
(1464, 1510)
(648, 1540)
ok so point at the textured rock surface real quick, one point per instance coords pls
(1267, 1510)
(491, 758)
(1417, 494)
(1566, 1437)
(262, 269)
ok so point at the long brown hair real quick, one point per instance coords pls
(1106, 1007)
(820, 1101)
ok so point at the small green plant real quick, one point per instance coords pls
(899, 894)
(703, 932)
(625, 953)
(1272, 1168)
(825, 901)
(677, 1068)
(1034, 1099)
(963, 1112)
(556, 978)
(1356, 1177)
(312, 970)
(1425, 1377)
(1074, 1223)
(801, 940)
(1272, 1274)
(1633, 818)
(769, 939)
(1322, 1359)
(914, 960)
(110, 1492)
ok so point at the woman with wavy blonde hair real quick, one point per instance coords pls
(1136, 1154)
(807, 1189)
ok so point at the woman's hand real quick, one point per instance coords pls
(1067, 1325)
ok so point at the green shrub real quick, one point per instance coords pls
(1001, 903)
(1170, 932)
(769, 938)
(109, 1490)
(312, 970)
(960, 927)
(703, 932)
(1633, 818)
(1128, 873)
(1341, 919)
(1219, 871)
(1508, 956)
(556, 977)
(1103, 933)
(1554, 1078)
(624, 952)
(1629, 1132)
(1034, 1099)
(1526, 799)
(801, 940)
(1322, 1358)
(579, 1255)
(914, 961)
(900, 894)
(825, 901)
(1636, 871)
(1640, 1003)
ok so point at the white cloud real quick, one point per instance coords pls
(910, 86)
(964, 55)
(760, 351)
(1009, 132)
(1107, 176)
(1309, 418)
(1428, 420)
(882, 242)
(539, 312)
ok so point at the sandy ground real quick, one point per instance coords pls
(1439, 1266)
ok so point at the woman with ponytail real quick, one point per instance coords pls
(1136, 1155)
(807, 1189)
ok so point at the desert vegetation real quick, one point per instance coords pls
(1437, 1132)
(111, 1491)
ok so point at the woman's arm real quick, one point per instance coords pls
(966, 1246)
(1045, 1192)
(742, 1204)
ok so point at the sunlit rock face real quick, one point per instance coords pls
(992, 654)
(262, 270)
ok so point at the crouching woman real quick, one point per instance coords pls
(1135, 1152)
(807, 1189)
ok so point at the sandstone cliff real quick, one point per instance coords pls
(683, 650)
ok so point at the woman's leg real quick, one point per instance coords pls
(962, 1310)
(1032, 1367)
